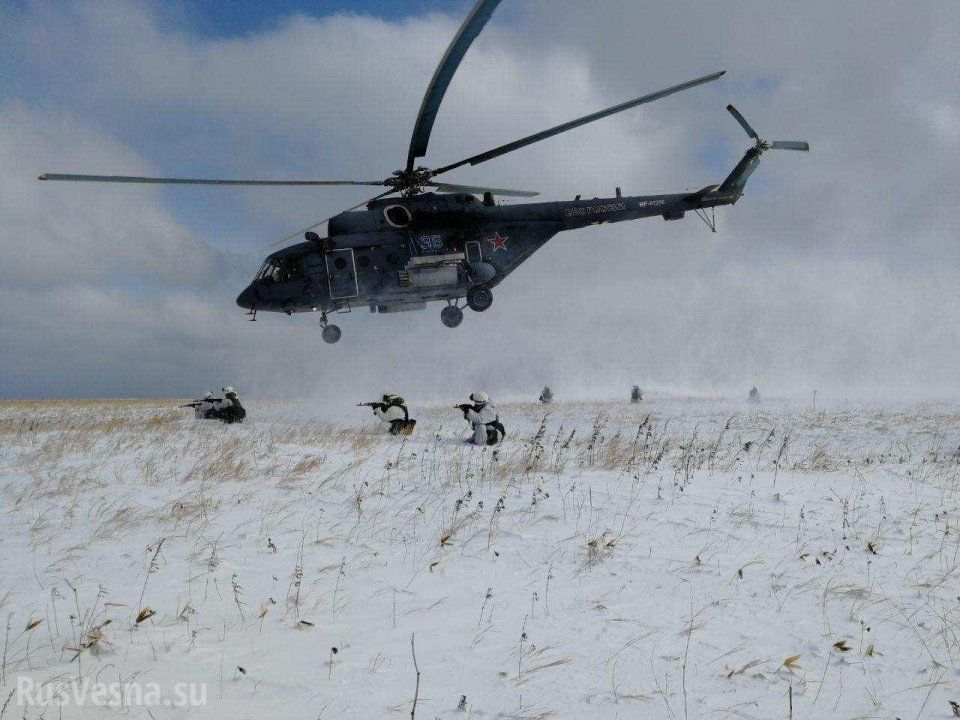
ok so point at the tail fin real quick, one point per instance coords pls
(735, 181)
(741, 173)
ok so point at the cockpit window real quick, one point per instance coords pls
(270, 272)
(281, 270)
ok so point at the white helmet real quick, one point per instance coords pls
(228, 390)
(480, 397)
(207, 395)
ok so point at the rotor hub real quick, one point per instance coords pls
(410, 182)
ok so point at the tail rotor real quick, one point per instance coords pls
(790, 145)
(743, 122)
(800, 145)
(736, 180)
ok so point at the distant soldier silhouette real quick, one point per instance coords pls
(754, 395)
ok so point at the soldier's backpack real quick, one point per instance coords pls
(402, 427)
(405, 426)
(235, 413)
(495, 432)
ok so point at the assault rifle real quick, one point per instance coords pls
(369, 404)
(197, 403)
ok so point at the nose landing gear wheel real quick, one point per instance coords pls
(451, 316)
(479, 298)
(331, 334)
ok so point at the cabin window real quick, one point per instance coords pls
(363, 261)
(340, 263)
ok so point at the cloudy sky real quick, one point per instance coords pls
(838, 271)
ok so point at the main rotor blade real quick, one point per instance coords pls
(358, 205)
(530, 139)
(454, 188)
(790, 145)
(442, 76)
(194, 181)
(743, 122)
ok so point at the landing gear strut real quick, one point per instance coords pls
(330, 333)
(479, 298)
(451, 316)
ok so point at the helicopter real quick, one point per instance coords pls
(422, 240)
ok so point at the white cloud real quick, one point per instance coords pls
(830, 272)
(68, 235)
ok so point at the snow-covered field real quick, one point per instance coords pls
(681, 558)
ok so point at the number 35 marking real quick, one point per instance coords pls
(430, 242)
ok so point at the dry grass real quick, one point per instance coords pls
(323, 504)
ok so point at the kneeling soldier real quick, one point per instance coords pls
(393, 413)
(487, 429)
(229, 410)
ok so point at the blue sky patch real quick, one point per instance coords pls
(215, 18)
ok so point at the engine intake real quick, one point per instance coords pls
(397, 215)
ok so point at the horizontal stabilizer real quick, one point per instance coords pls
(699, 194)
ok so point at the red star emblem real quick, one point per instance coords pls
(499, 243)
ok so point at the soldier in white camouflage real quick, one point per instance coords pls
(392, 411)
(229, 409)
(482, 415)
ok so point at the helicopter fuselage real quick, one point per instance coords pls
(401, 253)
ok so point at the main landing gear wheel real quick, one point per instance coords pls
(479, 298)
(331, 334)
(451, 316)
